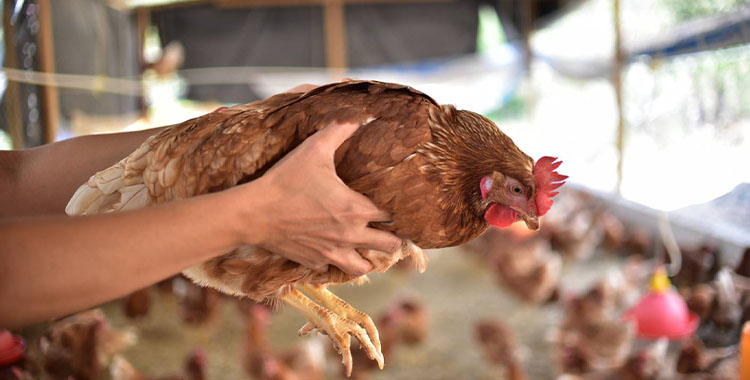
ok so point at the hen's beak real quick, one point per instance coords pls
(532, 221)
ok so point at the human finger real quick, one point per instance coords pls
(367, 209)
(321, 268)
(379, 216)
(351, 262)
(332, 136)
(379, 240)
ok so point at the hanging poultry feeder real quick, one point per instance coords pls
(11, 348)
(662, 312)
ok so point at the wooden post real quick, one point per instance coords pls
(50, 105)
(12, 102)
(142, 22)
(617, 85)
(335, 27)
(527, 25)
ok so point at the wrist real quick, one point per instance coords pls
(247, 206)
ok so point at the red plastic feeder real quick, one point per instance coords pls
(662, 312)
(11, 348)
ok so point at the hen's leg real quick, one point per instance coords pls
(338, 328)
(331, 301)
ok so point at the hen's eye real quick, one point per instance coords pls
(517, 190)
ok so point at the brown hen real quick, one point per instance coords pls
(443, 174)
(80, 346)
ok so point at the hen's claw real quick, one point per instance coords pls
(339, 328)
(344, 310)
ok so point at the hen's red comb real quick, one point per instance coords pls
(547, 181)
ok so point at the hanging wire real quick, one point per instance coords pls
(93, 83)
(670, 243)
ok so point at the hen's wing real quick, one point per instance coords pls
(201, 155)
(234, 145)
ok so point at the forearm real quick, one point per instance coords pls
(55, 266)
(42, 180)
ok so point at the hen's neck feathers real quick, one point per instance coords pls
(465, 147)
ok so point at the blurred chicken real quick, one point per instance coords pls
(524, 265)
(695, 359)
(647, 364)
(608, 296)
(194, 369)
(137, 304)
(594, 346)
(743, 267)
(80, 346)
(304, 362)
(698, 265)
(500, 347)
(700, 299)
(198, 305)
(726, 313)
(14, 372)
(592, 336)
(613, 230)
(572, 231)
(721, 306)
(404, 322)
(640, 241)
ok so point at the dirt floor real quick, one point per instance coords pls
(456, 289)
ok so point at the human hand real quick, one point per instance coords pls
(312, 217)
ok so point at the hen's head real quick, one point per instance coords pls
(521, 194)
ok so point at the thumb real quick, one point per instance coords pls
(332, 136)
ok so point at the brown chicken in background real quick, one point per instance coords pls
(194, 369)
(137, 304)
(594, 346)
(608, 296)
(699, 265)
(699, 362)
(197, 305)
(499, 347)
(572, 228)
(640, 240)
(443, 174)
(699, 299)
(306, 361)
(649, 363)
(592, 336)
(405, 322)
(525, 266)
(80, 346)
(743, 267)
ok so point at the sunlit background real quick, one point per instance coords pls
(677, 146)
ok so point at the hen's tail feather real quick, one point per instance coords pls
(416, 256)
(105, 191)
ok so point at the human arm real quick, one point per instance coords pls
(300, 209)
(40, 181)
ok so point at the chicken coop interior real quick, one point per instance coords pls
(640, 270)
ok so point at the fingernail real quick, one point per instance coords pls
(397, 245)
(366, 268)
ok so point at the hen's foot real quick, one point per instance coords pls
(335, 324)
